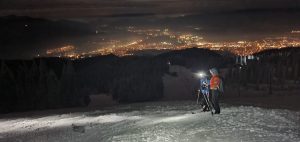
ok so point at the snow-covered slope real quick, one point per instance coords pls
(157, 122)
(183, 86)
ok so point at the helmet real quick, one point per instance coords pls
(214, 71)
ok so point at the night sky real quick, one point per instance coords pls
(91, 8)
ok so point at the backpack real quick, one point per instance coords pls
(221, 86)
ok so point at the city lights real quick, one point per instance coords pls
(61, 50)
(162, 39)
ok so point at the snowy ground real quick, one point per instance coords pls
(157, 122)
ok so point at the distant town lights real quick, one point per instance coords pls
(295, 32)
(162, 39)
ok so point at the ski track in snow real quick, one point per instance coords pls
(157, 122)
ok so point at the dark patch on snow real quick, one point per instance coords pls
(78, 128)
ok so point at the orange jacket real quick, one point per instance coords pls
(215, 82)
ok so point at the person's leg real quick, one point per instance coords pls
(203, 104)
(215, 101)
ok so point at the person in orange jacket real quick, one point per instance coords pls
(216, 88)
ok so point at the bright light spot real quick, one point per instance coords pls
(241, 42)
(60, 50)
(295, 32)
(201, 74)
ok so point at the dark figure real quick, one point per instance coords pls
(215, 100)
(204, 105)
(204, 91)
(216, 87)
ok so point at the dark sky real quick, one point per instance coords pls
(98, 8)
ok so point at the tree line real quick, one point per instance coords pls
(45, 83)
(271, 70)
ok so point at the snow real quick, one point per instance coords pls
(157, 122)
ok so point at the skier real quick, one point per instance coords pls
(216, 87)
(204, 89)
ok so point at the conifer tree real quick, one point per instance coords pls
(7, 89)
(53, 86)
